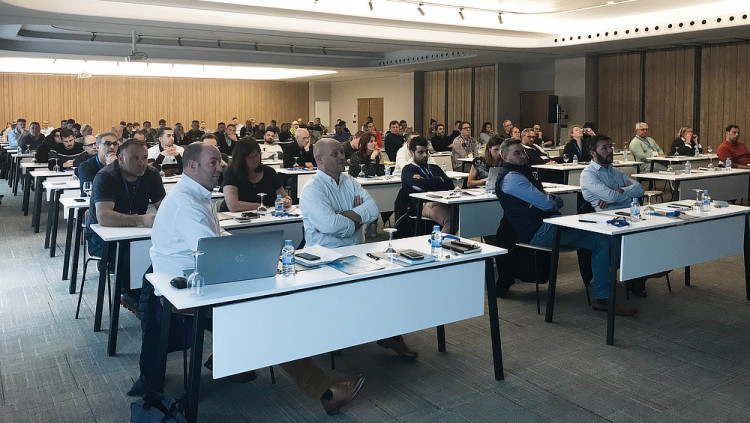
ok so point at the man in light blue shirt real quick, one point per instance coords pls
(603, 185)
(606, 187)
(15, 135)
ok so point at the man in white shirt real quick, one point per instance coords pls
(335, 208)
(268, 148)
(185, 216)
(15, 135)
(165, 155)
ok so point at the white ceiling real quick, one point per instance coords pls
(345, 35)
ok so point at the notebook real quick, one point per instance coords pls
(239, 257)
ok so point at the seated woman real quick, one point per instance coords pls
(246, 176)
(576, 147)
(480, 168)
(368, 158)
(686, 143)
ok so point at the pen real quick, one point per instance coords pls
(373, 256)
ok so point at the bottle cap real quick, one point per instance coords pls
(436, 228)
(288, 242)
(278, 195)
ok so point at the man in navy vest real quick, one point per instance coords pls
(526, 204)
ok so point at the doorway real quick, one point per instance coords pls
(534, 111)
(369, 107)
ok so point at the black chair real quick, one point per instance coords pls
(405, 220)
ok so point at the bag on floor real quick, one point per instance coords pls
(155, 408)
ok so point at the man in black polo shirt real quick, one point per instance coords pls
(122, 192)
(194, 134)
(301, 149)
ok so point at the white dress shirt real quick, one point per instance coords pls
(185, 215)
(322, 202)
(153, 154)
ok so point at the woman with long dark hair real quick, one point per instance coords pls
(480, 168)
(246, 176)
(368, 158)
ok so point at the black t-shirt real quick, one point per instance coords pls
(129, 198)
(248, 191)
(62, 155)
(293, 150)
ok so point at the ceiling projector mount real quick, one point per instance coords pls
(135, 55)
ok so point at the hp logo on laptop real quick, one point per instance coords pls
(240, 258)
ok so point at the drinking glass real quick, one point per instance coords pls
(390, 252)
(296, 165)
(161, 171)
(457, 183)
(262, 209)
(566, 157)
(697, 204)
(710, 159)
(56, 168)
(87, 188)
(646, 214)
(669, 167)
(196, 282)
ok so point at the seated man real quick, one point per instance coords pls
(301, 150)
(733, 149)
(606, 187)
(188, 215)
(421, 176)
(335, 208)
(269, 148)
(32, 139)
(534, 152)
(107, 145)
(64, 153)
(642, 146)
(526, 204)
(90, 149)
(166, 156)
(464, 145)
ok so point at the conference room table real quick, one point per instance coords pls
(723, 232)
(570, 173)
(123, 238)
(476, 213)
(26, 169)
(15, 168)
(722, 184)
(76, 207)
(695, 161)
(374, 302)
(39, 176)
(55, 189)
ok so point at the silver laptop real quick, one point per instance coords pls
(239, 257)
(492, 174)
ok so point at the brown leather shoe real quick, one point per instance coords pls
(399, 345)
(620, 309)
(343, 394)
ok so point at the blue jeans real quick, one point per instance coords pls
(597, 243)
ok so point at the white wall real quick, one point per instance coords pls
(538, 77)
(319, 91)
(576, 85)
(397, 93)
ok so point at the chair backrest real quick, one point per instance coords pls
(583, 205)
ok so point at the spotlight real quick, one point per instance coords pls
(419, 8)
(370, 3)
(500, 17)
(461, 13)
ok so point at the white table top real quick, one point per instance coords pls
(45, 173)
(567, 167)
(22, 155)
(312, 278)
(475, 195)
(679, 159)
(301, 171)
(74, 202)
(32, 165)
(694, 174)
(112, 233)
(466, 159)
(653, 222)
(67, 184)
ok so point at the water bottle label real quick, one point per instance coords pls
(288, 260)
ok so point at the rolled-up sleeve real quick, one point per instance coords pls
(317, 209)
(368, 211)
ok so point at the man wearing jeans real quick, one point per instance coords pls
(526, 205)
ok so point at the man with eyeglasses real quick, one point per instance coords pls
(535, 153)
(463, 145)
(90, 149)
(165, 155)
(106, 152)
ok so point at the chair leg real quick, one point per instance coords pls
(588, 296)
(184, 369)
(83, 281)
(669, 285)
(273, 376)
(109, 292)
(536, 284)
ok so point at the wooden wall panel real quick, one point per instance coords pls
(619, 93)
(103, 101)
(725, 87)
(669, 93)
(459, 96)
(484, 98)
(434, 99)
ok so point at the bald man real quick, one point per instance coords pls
(335, 208)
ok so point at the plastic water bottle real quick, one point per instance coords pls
(387, 172)
(624, 155)
(276, 155)
(729, 163)
(706, 202)
(436, 242)
(688, 166)
(278, 206)
(287, 259)
(575, 158)
(696, 151)
(444, 167)
(489, 188)
(635, 211)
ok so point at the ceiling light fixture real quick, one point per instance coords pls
(500, 17)
(461, 13)
(370, 3)
(419, 8)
